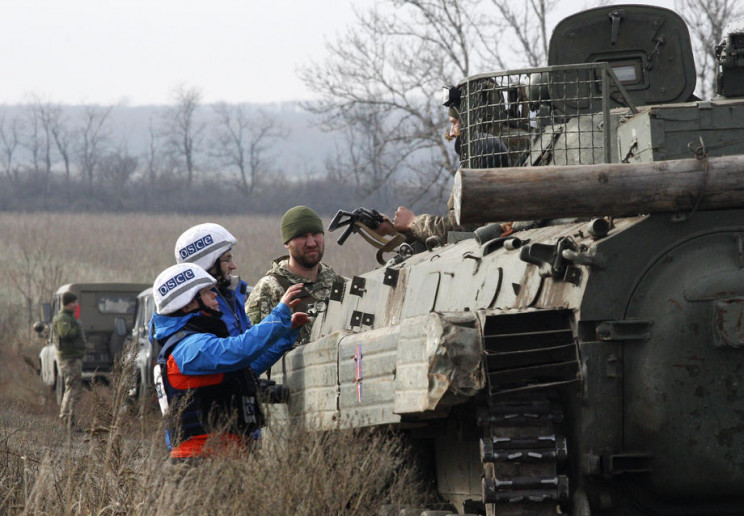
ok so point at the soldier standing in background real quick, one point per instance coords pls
(302, 234)
(70, 353)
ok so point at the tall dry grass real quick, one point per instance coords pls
(119, 465)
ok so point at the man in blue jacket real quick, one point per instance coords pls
(210, 246)
(205, 377)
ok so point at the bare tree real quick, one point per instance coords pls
(706, 20)
(244, 141)
(118, 167)
(47, 116)
(94, 136)
(382, 80)
(33, 139)
(183, 132)
(63, 139)
(10, 137)
(386, 70)
(152, 156)
(527, 24)
(370, 158)
(33, 268)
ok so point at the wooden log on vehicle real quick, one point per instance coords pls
(616, 189)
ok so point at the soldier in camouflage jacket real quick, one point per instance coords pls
(70, 352)
(270, 289)
(302, 234)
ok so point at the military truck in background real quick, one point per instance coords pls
(591, 362)
(106, 311)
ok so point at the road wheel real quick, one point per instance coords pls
(59, 385)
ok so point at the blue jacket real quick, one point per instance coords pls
(232, 306)
(203, 353)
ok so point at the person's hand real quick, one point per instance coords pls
(385, 228)
(299, 319)
(289, 296)
(403, 219)
(507, 228)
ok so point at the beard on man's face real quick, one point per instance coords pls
(307, 258)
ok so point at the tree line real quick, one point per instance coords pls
(378, 93)
(56, 157)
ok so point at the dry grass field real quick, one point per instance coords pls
(119, 466)
(136, 247)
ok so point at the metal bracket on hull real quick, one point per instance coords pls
(624, 330)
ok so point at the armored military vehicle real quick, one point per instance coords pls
(592, 361)
(106, 311)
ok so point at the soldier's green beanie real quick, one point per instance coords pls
(298, 221)
(453, 112)
(67, 298)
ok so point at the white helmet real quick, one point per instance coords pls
(178, 285)
(203, 245)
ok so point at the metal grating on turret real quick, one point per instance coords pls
(541, 116)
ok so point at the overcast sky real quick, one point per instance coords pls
(138, 51)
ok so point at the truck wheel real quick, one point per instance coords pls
(59, 385)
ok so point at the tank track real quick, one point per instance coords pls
(522, 455)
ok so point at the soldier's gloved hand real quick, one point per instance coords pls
(290, 296)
